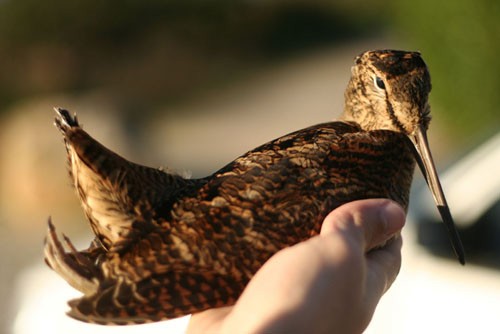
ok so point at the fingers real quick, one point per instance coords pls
(384, 263)
(368, 224)
(208, 321)
(383, 266)
(374, 221)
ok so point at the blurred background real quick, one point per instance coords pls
(192, 85)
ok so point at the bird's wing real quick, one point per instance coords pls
(118, 196)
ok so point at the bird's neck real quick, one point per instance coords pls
(358, 108)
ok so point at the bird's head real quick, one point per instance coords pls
(389, 90)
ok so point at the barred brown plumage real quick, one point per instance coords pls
(167, 246)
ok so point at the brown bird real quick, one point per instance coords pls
(167, 246)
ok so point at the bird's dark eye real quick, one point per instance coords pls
(379, 82)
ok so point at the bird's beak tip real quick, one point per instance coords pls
(426, 164)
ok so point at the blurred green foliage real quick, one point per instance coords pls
(460, 41)
(155, 51)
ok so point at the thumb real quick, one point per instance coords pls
(378, 220)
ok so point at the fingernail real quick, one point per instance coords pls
(393, 217)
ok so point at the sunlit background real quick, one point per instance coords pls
(190, 85)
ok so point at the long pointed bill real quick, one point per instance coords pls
(426, 164)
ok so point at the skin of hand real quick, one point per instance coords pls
(330, 283)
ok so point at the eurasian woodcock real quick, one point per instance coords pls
(167, 246)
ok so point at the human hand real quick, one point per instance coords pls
(329, 283)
